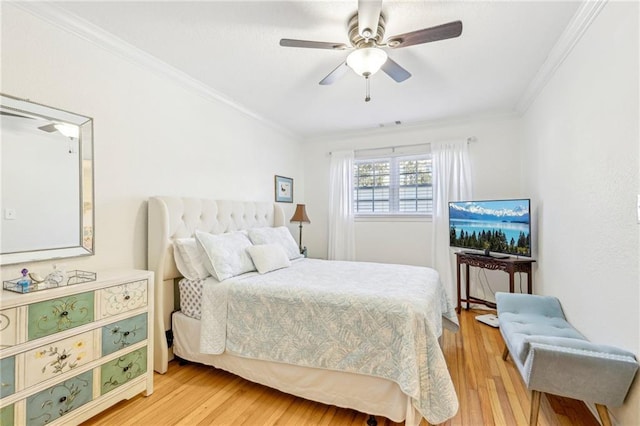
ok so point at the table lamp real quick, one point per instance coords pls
(300, 215)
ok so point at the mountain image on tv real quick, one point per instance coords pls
(501, 226)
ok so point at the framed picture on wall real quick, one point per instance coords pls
(284, 189)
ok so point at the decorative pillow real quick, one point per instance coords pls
(225, 254)
(191, 297)
(268, 257)
(279, 235)
(189, 259)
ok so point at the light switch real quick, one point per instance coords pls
(10, 214)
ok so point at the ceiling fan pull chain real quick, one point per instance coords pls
(367, 97)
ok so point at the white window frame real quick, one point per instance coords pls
(394, 188)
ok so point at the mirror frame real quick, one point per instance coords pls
(86, 171)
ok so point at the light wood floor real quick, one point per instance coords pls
(490, 391)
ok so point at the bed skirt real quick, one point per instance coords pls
(367, 394)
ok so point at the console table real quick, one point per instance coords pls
(510, 265)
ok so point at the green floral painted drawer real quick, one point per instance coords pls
(122, 334)
(53, 316)
(6, 415)
(122, 369)
(7, 376)
(58, 400)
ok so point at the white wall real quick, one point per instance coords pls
(496, 174)
(582, 157)
(30, 158)
(152, 136)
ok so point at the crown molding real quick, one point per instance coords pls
(415, 126)
(578, 25)
(97, 36)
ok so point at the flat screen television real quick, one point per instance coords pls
(491, 226)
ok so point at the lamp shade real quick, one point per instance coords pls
(300, 214)
(367, 60)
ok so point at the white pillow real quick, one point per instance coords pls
(279, 235)
(189, 259)
(225, 254)
(268, 257)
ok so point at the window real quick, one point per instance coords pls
(393, 185)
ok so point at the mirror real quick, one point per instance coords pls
(46, 205)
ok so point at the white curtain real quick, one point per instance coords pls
(342, 245)
(451, 182)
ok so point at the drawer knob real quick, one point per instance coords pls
(63, 356)
(64, 314)
(63, 399)
(126, 333)
(127, 297)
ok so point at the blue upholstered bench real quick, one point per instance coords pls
(553, 357)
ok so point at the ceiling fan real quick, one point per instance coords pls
(68, 130)
(366, 34)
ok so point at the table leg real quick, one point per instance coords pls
(459, 305)
(467, 285)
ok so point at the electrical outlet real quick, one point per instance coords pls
(10, 214)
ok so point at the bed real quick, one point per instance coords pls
(262, 327)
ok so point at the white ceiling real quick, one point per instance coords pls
(232, 48)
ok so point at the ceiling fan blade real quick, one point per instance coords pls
(48, 128)
(427, 35)
(334, 75)
(10, 114)
(287, 42)
(395, 71)
(368, 16)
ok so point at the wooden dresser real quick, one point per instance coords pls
(70, 352)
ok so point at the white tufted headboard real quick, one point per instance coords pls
(180, 217)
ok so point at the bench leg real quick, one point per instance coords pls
(604, 414)
(505, 354)
(535, 407)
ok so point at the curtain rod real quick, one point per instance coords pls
(470, 139)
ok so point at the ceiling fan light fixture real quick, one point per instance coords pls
(367, 60)
(69, 130)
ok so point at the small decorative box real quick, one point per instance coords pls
(73, 277)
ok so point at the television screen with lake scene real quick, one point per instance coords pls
(497, 226)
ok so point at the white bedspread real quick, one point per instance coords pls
(366, 318)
